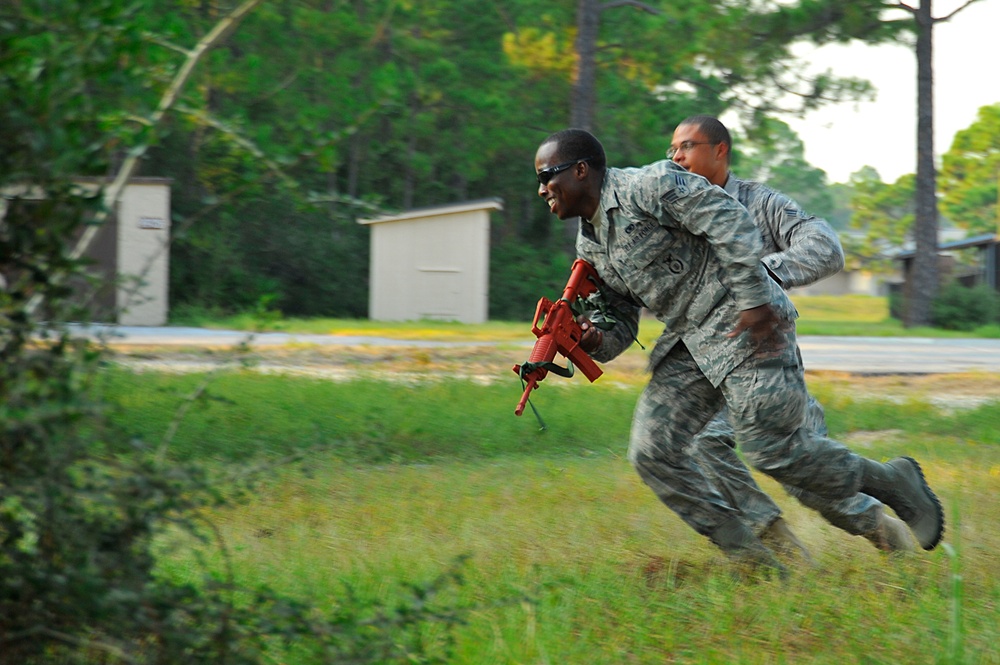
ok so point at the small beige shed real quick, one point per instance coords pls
(431, 263)
(130, 252)
(142, 252)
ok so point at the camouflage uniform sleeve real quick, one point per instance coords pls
(808, 248)
(706, 210)
(618, 319)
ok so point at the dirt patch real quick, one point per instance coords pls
(947, 391)
(494, 363)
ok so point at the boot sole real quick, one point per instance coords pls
(934, 500)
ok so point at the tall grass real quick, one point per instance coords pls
(607, 574)
(244, 414)
(570, 558)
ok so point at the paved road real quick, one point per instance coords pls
(900, 355)
(868, 355)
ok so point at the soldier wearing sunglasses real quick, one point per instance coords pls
(666, 239)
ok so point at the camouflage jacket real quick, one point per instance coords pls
(676, 244)
(799, 248)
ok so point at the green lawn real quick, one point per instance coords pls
(566, 557)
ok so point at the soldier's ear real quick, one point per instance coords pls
(722, 151)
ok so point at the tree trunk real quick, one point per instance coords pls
(924, 277)
(588, 24)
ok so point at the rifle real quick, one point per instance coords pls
(560, 333)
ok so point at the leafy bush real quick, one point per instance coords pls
(81, 504)
(958, 307)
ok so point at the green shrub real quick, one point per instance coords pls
(82, 505)
(958, 307)
(520, 274)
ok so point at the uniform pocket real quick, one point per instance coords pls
(705, 299)
(644, 242)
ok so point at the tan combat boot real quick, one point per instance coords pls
(891, 535)
(744, 549)
(778, 537)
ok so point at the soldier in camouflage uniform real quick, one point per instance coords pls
(799, 249)
(668, 240)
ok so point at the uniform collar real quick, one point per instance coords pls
(609, 191)
(732, 185)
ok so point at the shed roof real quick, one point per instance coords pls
(983, 240)
(437, 211)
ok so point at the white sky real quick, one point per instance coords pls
(842, 138)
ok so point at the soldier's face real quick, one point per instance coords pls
(701, 157)
(559, 182)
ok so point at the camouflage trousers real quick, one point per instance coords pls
(767, 402)
(857, 515)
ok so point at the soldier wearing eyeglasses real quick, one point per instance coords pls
(668, 240)
(799, 249)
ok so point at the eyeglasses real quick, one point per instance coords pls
(547, 174)
(686, 146)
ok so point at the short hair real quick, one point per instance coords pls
(578, 144)
(713, 129)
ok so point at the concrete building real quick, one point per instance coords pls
(431, 263)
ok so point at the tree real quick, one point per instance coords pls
(840, 215)
(588, 25)
(924, 275)
(77, 514)
(84, 505)
(316, 112)
(970, 174)
(716, 55)
(885, 212)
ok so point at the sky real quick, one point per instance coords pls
(842, 138)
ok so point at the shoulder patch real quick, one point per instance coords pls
(678, 190)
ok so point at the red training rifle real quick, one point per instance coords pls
(560, 333)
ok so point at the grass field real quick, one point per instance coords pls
(413, 467)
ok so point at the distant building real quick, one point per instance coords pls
(866, 282)
(130, 253)
(845, 282)
(984, 270)
(431, 263)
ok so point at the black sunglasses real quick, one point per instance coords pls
(547, 174)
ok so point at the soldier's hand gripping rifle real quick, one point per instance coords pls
(559, 333)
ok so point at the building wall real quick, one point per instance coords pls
(143, 254)
(431, 264)
(132, 246)
(846, 282)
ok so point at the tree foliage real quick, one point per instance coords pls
(885, 212)
(318, 112)
(970, 174)
(335, 108)
(84, 507)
